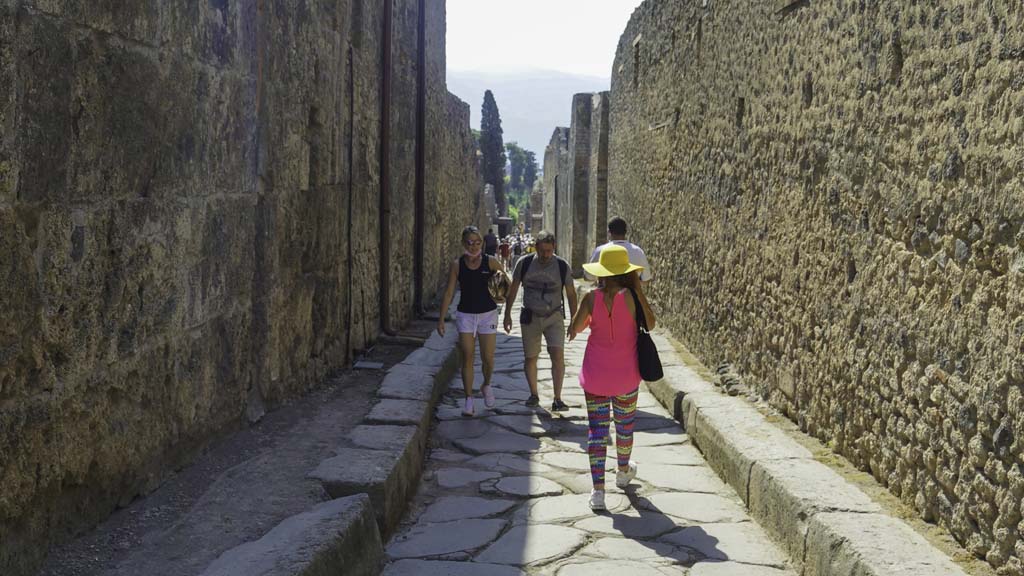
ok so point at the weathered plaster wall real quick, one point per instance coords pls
(832, 194)
(189, 230)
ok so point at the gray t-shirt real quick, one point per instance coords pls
(542, 288)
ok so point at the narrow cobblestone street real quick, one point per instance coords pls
(506, 492)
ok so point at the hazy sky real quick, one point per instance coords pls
(575, 36)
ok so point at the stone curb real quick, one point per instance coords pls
(823, 522)
(370, 483)
(335, 535)
(386, 452)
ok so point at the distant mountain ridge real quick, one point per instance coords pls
(532, 102)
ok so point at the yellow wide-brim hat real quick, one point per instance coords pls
(613, 262)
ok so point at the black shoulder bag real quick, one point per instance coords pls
(646, 351)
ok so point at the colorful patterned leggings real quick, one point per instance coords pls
(598, 408)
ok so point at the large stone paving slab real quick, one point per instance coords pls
(462, 428)
(630, 524)
(574, 461)
(499, 441)
(526, 487)
(743, 542)
(676, 455)
(455, 477)
(530, 424)
(444, 538)
(615, 548)
(682, 478)
(442, 568)
(736, 569)
(620, 567)
(510, 463)
(523, 545)
(701, 508)
(452, 508)
(563, 508)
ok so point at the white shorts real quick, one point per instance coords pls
(483, 323)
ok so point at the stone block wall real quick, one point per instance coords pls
(190, 229)
(556, 169)
(537, 207)
(832, 194)
(573, 210)
(575, 185)
(597, 175)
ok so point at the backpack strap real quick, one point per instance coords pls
(526, 266)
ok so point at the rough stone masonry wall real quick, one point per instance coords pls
(189, 231)
(453, 185)
(597, 174)
(831, 194)
(573, 206)
(556, 162)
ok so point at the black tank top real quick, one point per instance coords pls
(475, 299)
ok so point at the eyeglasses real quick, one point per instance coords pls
(474, 243)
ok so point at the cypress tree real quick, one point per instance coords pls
(492, 151)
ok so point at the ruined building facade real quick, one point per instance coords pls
(831, 193)
(204, 208)
(575, 184)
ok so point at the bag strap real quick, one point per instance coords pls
(526, 266)
(641, 320)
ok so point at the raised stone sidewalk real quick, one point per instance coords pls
(506, 493)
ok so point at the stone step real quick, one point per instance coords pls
(336, 537)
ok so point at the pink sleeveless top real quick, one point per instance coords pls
(610, 366)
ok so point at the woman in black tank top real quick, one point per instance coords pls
(475, 297)
(477, 315)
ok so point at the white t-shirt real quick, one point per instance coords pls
(636, 257)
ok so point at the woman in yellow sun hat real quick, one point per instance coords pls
(610, 376)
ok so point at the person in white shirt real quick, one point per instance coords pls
(617, 236)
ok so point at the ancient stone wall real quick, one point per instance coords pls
(573, 212)
(597, 175)
(189, 229)
(453, 185)
(832, 195)
(556, 162)
(537, 207)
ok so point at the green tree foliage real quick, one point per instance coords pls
(517, 166)
(492, 151)
(529, 171)
(522, 173)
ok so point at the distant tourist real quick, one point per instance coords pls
(610, 376)
(476, 317)
(617, 237)
(505, 252)
(490, 243)
(544, 276)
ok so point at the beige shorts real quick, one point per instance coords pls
(551, 329)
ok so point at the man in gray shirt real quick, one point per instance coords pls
(543, 276)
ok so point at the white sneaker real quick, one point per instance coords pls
(597, 500)
(622, 479)
(467, 408)
(488, 395)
